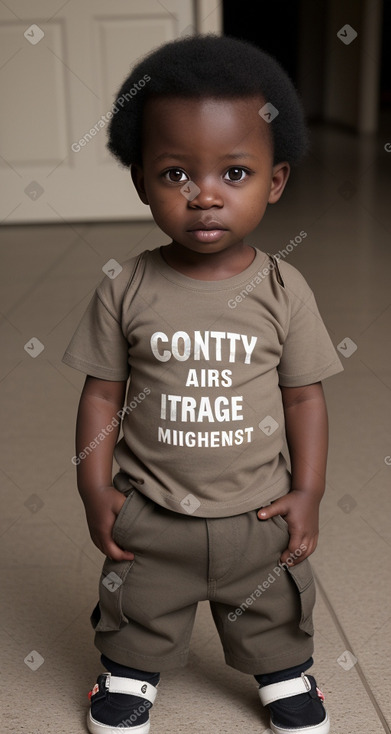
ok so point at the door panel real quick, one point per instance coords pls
(60, 66)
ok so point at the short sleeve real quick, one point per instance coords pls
(308, 353)
(98, 346)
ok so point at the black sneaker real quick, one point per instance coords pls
(296, 706)
(120, 705)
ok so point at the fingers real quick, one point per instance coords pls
(115, 553)
(299, 548)
(276, 508)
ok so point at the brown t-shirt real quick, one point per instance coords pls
(203, 424)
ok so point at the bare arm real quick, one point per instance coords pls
(100, 402)
(307, 437)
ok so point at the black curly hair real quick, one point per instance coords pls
(208, 66)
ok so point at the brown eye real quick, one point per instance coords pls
(176, 175)
(236, 174)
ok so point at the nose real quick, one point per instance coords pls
(208, 195)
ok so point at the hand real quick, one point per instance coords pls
(301, 511)
(102, 511)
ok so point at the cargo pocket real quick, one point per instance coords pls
(119, 520)
(301, 575)
(108, 615)
(304, 581)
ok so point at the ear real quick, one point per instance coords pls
(280, 175)
(137, 175)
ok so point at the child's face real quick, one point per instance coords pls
(221, 146)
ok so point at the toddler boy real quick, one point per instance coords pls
(225, 351)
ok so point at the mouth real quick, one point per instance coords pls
(207, 230)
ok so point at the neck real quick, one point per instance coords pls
(210, 265)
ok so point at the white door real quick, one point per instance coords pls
(60, 66)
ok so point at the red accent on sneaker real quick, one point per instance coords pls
(94, 690)
(320, 694)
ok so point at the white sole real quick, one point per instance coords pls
(95, 727)
(322, 728)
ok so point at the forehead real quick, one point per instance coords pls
(176, 123)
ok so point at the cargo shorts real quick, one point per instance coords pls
(146, 610)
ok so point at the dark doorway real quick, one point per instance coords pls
(273, 26)
(276, 27)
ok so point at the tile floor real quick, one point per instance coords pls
(49, 568)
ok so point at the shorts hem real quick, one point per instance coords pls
(273, 663)
(148, 663)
